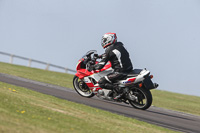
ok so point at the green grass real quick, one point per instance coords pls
(175, 101)
(56, 78)
(23, 110)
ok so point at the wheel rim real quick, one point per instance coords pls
(81, 87)
(141, 98)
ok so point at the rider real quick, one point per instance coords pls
(120, 61)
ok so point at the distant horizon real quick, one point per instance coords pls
(31, 61)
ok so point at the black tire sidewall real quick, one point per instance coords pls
(148, 95)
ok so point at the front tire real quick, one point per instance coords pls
(81, 88)
(143, 98)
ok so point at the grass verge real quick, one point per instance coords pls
(175, 101)
(23, 110)
(56, 78)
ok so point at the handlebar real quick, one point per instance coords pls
(91, 60)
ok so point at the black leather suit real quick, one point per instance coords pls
(120, 61)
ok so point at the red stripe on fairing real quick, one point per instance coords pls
(90, 85)
(104, 68)
(132, 80)
(96, 89)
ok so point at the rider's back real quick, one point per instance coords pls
(119, 58)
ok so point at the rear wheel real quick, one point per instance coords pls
(81, 88)
(143, 98)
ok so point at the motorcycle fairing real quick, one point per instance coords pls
(127, 81)
(83, 72)
(106, 67)
(92, 86)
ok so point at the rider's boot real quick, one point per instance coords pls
(119, 91)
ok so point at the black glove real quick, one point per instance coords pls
(97, 56)
(91, 68)
(100, 56)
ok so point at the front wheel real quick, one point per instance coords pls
(143, 98)
(81, 88)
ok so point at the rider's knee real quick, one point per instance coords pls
(102, 82)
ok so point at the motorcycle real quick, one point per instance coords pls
(136, 85)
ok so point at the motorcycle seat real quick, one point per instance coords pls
(133, 73)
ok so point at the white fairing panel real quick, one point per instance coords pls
(140, 77)
(105, 72)
(87, 80)
(97, 76)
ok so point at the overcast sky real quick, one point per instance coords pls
(160, 35)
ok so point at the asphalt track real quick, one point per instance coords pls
(174, 120)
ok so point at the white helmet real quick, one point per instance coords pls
(108, 39)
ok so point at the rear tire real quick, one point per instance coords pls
(144, 98)
(81, 88)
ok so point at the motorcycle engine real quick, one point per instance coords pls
(101, 92)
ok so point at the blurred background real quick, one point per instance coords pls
(162, 36)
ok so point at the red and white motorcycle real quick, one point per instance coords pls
(136, 85)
